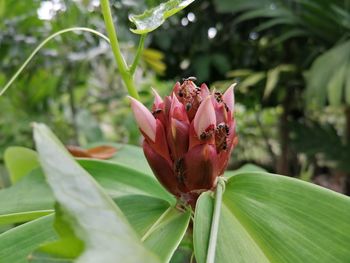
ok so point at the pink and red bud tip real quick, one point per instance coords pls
(189, 137)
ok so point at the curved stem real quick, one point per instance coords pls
(138, 54)
(215, 221)
(112, 33)
(36, 50)
(156, 224)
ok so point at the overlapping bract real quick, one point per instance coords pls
(189, 137)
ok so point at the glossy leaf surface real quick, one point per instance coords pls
(155, 17)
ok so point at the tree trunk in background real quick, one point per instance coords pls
(282, 163)
(347, 124)
(347, 137)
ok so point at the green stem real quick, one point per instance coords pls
(156, 224)
(36, 50)
(112, 33)
(215, 221)
(138, 54)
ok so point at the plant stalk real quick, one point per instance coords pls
(138, 54)
(112, 33)
(156, 224)
(215, 221)
(40, 46)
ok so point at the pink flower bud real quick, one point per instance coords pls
(189, 137)
(144, 118)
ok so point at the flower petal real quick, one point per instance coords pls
(178, 138)
(228, 97)
(157, 99)
(205, 116)
(200, 167)
(161, 169)
(204, 91)
(144, 118)
(177, 109)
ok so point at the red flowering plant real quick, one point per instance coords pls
(113, 211)
(188, 137)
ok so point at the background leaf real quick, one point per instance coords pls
(20, 161)
(327, 76)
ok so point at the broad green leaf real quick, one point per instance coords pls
(142, 212)
(336, 84)
(20, 161)
(166, 236)
(68, 246)
(119, 180)
(130, 156)
(155, 17)
(28, 199)
(245, 169)
(87, 206)
(202, 224)
(160, 226)
(16, 244)
(252, 79)
(324, 74)
(275, 219)
(43, 257)
(24, 201)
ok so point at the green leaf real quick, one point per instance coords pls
(347, 86)
(20, 161)
(245, 169)
(271, 81)
(119, 180)
(68, 246)
(17, 243)
(202, 224)
(130, 156)
(273, 77)
(252, 79)
(23, 201)
(160, 226)
(142, 211)
(233, 6)
(166, 235)
(324, 75)
(155, 17)
(87, 206)
(336, 84)
(272, 218)
(239, 73)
